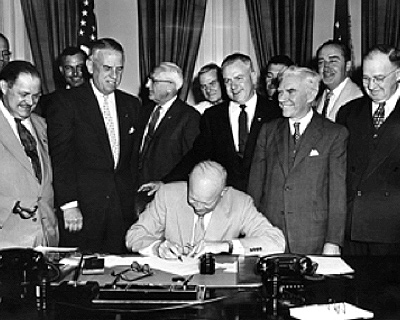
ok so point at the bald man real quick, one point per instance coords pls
(169, 227)
(4, 51)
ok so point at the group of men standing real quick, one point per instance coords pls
(286, 152)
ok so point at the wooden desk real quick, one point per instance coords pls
(375, 287)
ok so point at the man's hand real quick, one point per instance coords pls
(331, 249)
(73, 219)
(150, 187)
(209, 247)
(169, 250)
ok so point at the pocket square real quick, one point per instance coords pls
(131, 130)
(314, 153)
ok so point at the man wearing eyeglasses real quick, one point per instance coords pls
(373, 174)
(27, 216)
(167, 126)
(5, 52)
(203, 215)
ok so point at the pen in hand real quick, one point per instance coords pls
(178, 255)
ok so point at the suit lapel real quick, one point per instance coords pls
(281, 144)
(388, 141)
(94, 115)
(124, 124)
(13, 145)
(309, 139)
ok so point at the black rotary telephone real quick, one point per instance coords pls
(286, 266)
(20, 270)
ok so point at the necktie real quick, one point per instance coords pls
(199, 230)
(151, 128)
(109, 123)
(243, 130)
(379, 115)
(296, 135)
(29, 144)
(326, 103)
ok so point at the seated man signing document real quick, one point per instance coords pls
(203, 215)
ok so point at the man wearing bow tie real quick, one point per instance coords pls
(27, 216)
(91, 130)
(298, 173)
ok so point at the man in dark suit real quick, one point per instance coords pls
(73, 73)
(167, 127)
(298, 174)
(27, 216)
(228, 131)
(91, 145)
(373, 176)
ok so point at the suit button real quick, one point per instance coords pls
(387, 194)
(287, 188)
(107, 197)
(359, 193)
(375, 136)
(282, 212)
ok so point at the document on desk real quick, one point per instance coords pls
(331, 265)
(186, 267)
(332, 311)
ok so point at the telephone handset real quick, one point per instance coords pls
(20, 270)
(286, 266)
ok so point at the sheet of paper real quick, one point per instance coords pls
(55, 249)
(336, 311)
(187, 267)
(331, 265)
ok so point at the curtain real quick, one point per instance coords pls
(52, 25)
(380, 23)
(170, 30)
(281, 27)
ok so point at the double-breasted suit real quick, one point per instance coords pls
(84, 167)
(172, 139)
(306, 200)
(215, 142)
(373, 174)
(19, 183)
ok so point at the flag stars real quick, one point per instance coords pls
(86, 2)
(84, 13)
(83, 23)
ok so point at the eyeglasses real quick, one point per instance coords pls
(131, 274)
(154, 80)
(24, 213)
(5, 54)
(376, 79)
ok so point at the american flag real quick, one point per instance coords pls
(342, 26)
(87, 23)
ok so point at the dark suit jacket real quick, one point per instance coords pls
(216, 143)
(308, 200)
(84, 167)
(172, 139)
(373, 174)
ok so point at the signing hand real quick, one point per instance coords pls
(73, 219)
(169, 250)
(208, 247)
(150, 187)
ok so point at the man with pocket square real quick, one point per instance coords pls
(298, 173)
(91, 133)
